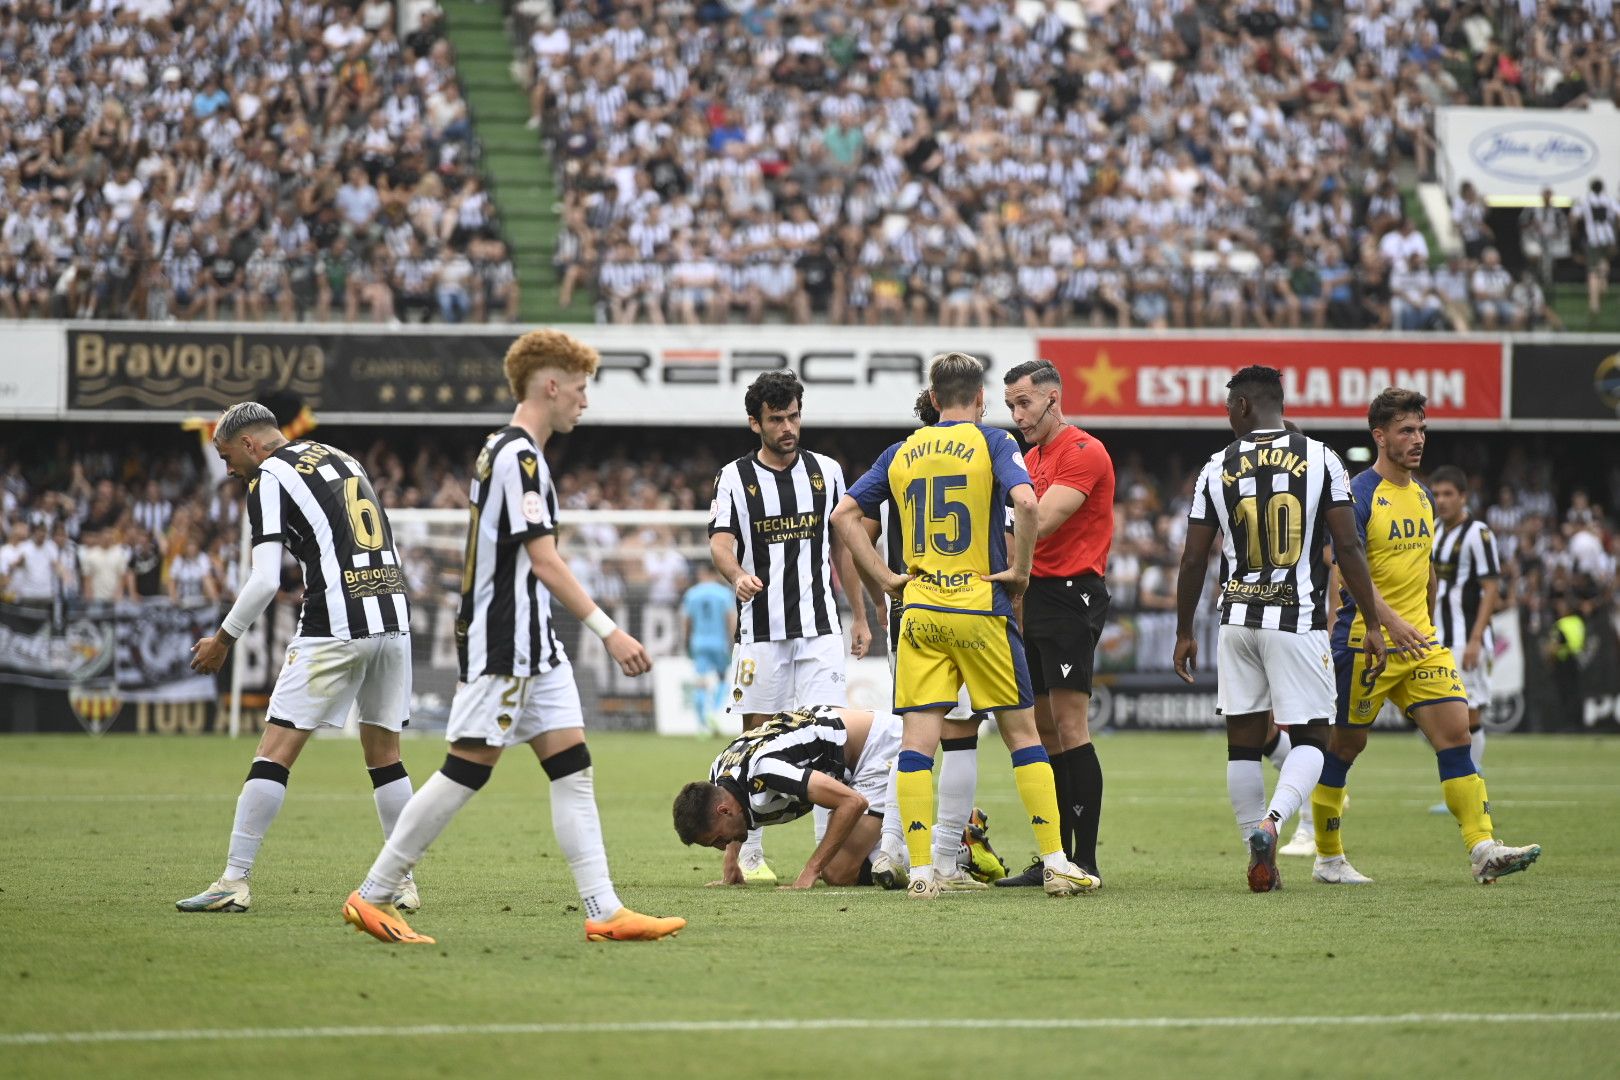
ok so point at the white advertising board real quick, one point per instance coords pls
(1511, 154)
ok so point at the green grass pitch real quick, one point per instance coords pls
(100, 838)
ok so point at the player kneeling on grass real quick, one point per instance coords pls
(516, 684)
(353, 641)
(815, 756)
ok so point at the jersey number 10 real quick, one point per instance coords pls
(1281, 541)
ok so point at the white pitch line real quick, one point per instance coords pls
(687, 1027)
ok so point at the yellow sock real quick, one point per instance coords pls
(1327, 804)
(1466, 799)
(1032, 773)
(914, 791)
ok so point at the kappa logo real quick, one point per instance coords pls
(529, 463)
(1065, 668)
(916, 826)
(1038, 820)
(1382, 501)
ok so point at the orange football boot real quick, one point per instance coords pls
(627, 925)
(381, 921)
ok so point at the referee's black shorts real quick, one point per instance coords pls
(1063, 622)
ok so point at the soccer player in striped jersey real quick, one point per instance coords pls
(1395, 518)
(1598, 216)
(1468, 575)
(841, 760)
(516, 684)
(1273, 494)
(950, 481)
(352, 644)
(769, 538)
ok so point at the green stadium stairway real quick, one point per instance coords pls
(515, 163)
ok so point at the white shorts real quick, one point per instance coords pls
(877, 762)
(777, 676)
(505, 710)
(1477, 682)
(322, 678)
(1291, 675)
(964, 707)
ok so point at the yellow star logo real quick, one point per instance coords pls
(475, 393)
(1103, 381)
(414, 395)
(386, 393)
(446, 394)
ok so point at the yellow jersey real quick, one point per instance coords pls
(1397, 526)
(949, 483)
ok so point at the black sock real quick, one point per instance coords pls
(1063, 780)
(1086, 783)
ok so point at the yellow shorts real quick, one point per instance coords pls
(941, 651)
(1409, 681)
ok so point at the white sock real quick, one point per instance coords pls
(753, 847)
(893, 840)
(1299, 775)
(578, 828)
(1279, 753)
(256, 808)
(958, 777)
(819, 817)
(1476, 750)
(1246, 787)
(1307, 820)
(391, 799)
(419, 824)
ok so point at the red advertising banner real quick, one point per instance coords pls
(1170, 378)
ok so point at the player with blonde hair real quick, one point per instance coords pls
(516, 684)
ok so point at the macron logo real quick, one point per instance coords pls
(1086, 600)
(1065, 668)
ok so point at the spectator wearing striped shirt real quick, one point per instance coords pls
(1598, 216)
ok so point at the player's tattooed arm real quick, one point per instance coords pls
(847, 521)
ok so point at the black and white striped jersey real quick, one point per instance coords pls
(768, 769)
(504, 626)
(1597, 214)
(1268, 495)
(781, 521)
(1464, 556)
(318, 502)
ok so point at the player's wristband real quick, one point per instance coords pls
(598, 623)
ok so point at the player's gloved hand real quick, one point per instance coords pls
(1015, 583)
(208, 655)
(1372, 646)
(1186, 659)
(747, 586)
(631, 656)
(860, 639)
(1404, 637)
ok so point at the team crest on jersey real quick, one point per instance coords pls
(529, 464)
(504, 721)
(484, 464)
(818, 483)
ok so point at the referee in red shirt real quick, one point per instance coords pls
(1067, 602)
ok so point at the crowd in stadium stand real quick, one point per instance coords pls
(122, 521)
(1131, 163)
(186, 159)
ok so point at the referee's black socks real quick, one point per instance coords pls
(1085, 787)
